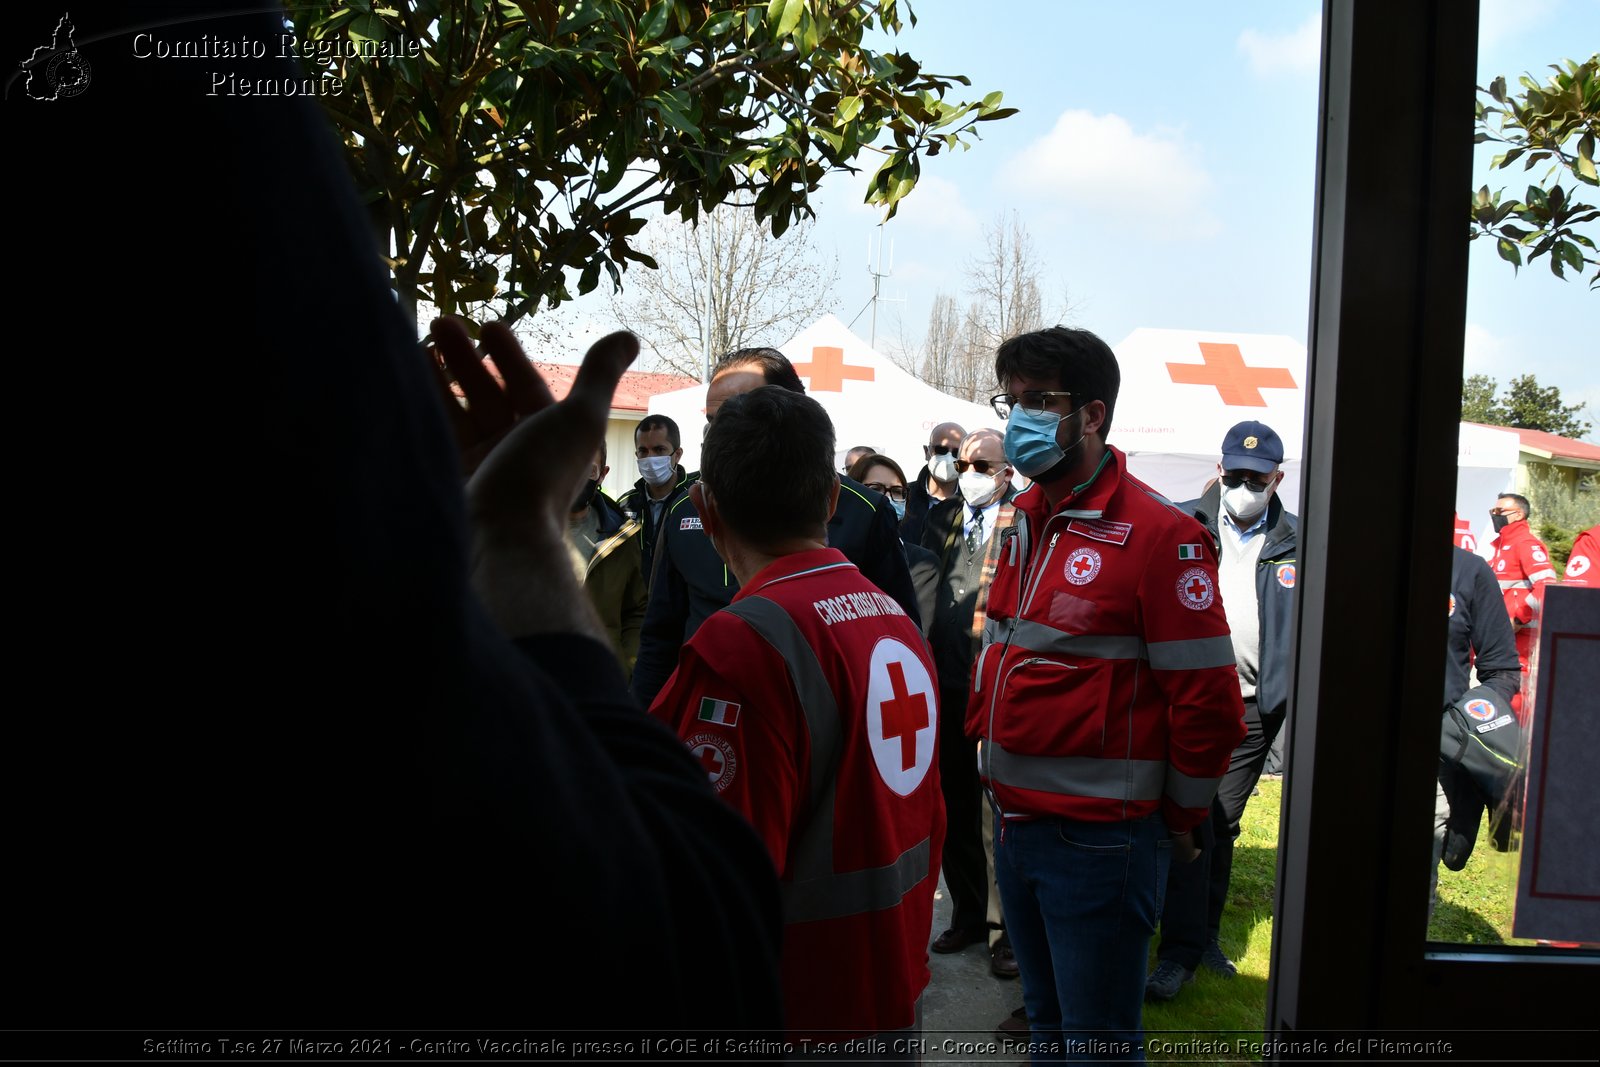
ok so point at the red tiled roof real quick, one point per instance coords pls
(1552, 444)
(633, 392)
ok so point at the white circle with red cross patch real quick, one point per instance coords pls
(1538, 554)
(902, 716)
(715, 757)
(1196, 589)
(1082, 565)
(1577, 566)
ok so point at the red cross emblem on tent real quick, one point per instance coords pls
(1224, 367)
(828, 370)
(902, 716)
(1196, 589)
(716, 757)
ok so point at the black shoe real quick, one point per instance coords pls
(953, 940)
(1166, 980)
(1214, 959)
(1002, 963)
(1014, 1027)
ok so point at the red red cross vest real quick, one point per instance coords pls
(812, 703)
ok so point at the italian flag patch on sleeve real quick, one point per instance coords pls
(1188, 551)
(719, 711)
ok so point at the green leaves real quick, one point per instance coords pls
(517, 156)
(1555, 123)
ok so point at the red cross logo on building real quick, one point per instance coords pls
(828, 370)
(903, 716)
(1224, 367)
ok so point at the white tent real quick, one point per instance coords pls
(871, 401)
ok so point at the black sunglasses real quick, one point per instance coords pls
(1234, 481)
(982, 466)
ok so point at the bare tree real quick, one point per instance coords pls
(1004, 298)
(1004, 283)
(728, 276)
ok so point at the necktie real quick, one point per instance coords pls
(975, 534)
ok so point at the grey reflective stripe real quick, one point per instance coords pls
(1189, 792)
(852, 892)
(1192, 655)
(1071, 514)
(810, 684)
(1078, 776)
(1546, 575)
(1520, 583)
(1038, 637)
(815, 890)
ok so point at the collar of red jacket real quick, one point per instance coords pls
(791, 566)
(1093, 497)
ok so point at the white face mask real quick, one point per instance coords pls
(978, 489)
(943, 468)
(1245, 504)
(656, 470)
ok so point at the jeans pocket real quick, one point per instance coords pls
(1112, 839)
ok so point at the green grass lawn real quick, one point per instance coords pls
(1474, 907)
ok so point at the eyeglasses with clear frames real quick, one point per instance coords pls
(1033, 401)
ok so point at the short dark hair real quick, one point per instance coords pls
(659, 422)
(1522, 503)
(775, 366)
(1083, 364)
(858, 470)
(768, 458)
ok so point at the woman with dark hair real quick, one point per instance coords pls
(883, 475)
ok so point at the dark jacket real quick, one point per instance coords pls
(918, 503)
(1479, 626)
(614, 578)
(924, 567)
(636, 502)
(689, 581)
(1277, 577)
(954, 645)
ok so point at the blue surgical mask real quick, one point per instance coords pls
(1031, 440)
(899, 507)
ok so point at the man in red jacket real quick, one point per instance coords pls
(1521, 564)
(810, 701)
(1105, 698)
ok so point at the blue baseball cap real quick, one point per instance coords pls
(1252, 446)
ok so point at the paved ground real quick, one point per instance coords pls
(964, 1002)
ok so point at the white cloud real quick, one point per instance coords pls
(1098, 168)
(1296, 51)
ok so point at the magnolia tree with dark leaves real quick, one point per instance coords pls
(1555, 123)
(528, 142)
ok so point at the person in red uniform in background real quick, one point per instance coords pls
(1585, 555)
(1521, 564)
(1464, 537)
(810, 702)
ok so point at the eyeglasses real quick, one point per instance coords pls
(1234, 481)
(941, 450)
(1033, 401)
(982, 466)
(893, 492)
(1505, 511)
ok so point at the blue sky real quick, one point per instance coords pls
(1164, 163)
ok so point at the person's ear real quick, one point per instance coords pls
(1093, 416)
(704, 502)
(833, 499)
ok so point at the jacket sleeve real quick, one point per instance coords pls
(1494, 645)
(752, 759)
(635, 599)
(1192, 662)
(665, 616)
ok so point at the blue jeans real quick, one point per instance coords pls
(1081, 901)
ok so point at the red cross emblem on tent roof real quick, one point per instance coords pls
(828, 370)
(1224, 367)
